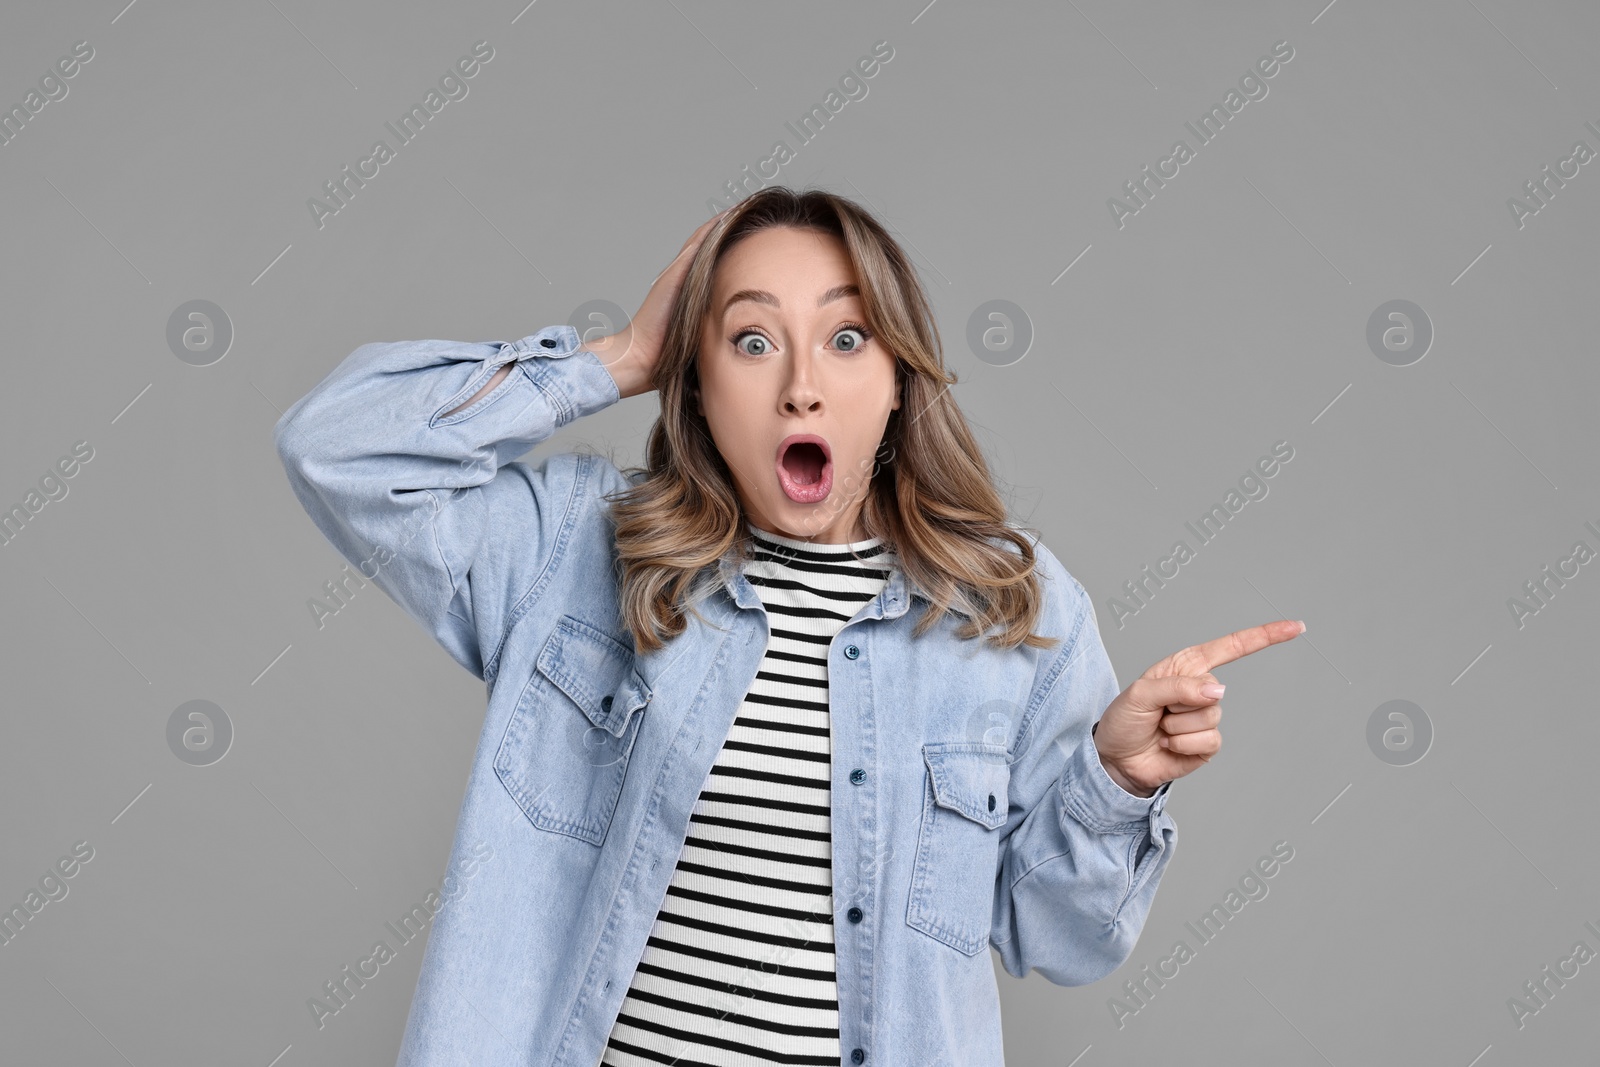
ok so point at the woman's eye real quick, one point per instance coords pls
(847, 339)
(752, 344)
(848, 345)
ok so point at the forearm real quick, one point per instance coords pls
(396, 455)
(1078, 876)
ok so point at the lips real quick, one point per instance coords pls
(805, 468)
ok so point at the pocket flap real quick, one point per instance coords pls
(970, 778)
(596, 671)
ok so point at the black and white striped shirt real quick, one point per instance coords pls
(739, 967)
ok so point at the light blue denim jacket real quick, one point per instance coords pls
(970, 809)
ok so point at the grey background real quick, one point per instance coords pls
(1230, 313)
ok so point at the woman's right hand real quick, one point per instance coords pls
(631, 353)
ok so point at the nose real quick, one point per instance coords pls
(800, 393)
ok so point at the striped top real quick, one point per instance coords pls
(739, 966)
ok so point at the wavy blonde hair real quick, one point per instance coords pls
(934, 503)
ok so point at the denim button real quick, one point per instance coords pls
(605, 705)
(854, 915)
(857, 1055)
(548, 342)
(991, 801)
(851, 652)
(858, 776)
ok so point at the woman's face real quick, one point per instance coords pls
(797, 392)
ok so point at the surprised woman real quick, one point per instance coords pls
(786, 727)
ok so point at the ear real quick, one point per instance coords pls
(694, 386)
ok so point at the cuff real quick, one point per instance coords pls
(1100, 803)
(577, 387)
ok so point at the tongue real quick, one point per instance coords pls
(804, 463)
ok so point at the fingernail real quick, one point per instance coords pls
(1162, 741)
(1212, 691)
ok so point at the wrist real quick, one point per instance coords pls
(615, 352)
(1128, 786)
(1126, 783)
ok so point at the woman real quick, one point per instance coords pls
(784, 728)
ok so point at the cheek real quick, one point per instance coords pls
(731, 416)
(875, 399)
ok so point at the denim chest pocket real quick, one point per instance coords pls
(953, 876)
(565, 750)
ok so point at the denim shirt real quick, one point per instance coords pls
(970, 809)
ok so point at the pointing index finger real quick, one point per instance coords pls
(1241, 643)
(1198, 659)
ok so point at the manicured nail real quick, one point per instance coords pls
(1212, 691)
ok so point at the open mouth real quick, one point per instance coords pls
(805, 468)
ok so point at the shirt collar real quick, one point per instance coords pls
(893, 601)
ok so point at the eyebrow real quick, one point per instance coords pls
(761, 296)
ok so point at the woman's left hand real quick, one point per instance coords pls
(1164, 725)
